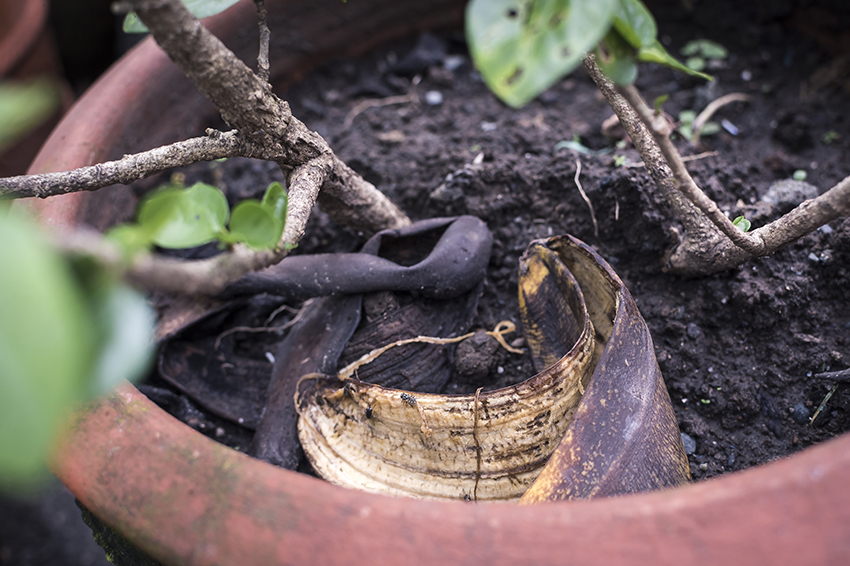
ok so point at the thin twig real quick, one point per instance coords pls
(364, 105)
(713, 107)
(586, 199)
(215, 145)
(263, 56)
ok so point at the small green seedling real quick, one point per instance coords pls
(174, 217)
(700, 51)
(831, 136)
(619, 160)
(576, 145)
(800, 175)
(742, 223)
(686, 126)
(659, 102)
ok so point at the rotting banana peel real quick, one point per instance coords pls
(479, 447)
(492, 445)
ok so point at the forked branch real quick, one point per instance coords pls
(264, 128)
(711, 242)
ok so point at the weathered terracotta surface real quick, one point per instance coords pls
(188, 500)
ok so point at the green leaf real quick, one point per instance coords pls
(687, 116)
(521, 47)
(634, 22)
(254, 224)
(131, 238)
(618, 60)
(655, 53)
(25, 105)
(199, 8)
(183, 218)
(126, 323)
(742, 223)
(659, 102)
(47, 341)
(695, 63)
(800, 175)
(709, 129)
(276, 201)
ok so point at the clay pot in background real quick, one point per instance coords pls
(185, 499)
(27, 51)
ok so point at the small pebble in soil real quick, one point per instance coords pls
(693, 330)
(689, 443)
(800, 413)
(434, 97)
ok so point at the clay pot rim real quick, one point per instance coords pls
(128, 461)
(31, 15)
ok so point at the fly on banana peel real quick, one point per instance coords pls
(596, 420)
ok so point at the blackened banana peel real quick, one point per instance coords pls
(624, 437)
(595, 421)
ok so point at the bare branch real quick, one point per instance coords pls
(697, 228)
(661, 129)
(703, 249)
(215, 145)
(248, 104)
(265, 35)
(244, 100)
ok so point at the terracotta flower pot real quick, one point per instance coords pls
(27, 51)
(188, 500)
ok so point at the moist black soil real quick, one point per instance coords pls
(740, 351)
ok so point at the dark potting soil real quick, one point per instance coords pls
(740, 350)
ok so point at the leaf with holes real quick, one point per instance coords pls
(522, 48)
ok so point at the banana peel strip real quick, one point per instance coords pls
(624, 437)
(619, 436)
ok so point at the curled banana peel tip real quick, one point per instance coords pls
(596, 420)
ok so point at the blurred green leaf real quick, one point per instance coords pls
(695, 63)
(618, 61)
(704, 48)
(634, 22)
(255, 225)
(183, 218)
(659, 102)
(200, 9)
(47, 341)
(521, 47)
(709, 129)
(25, 105)
(126, 323)
(131, 238)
